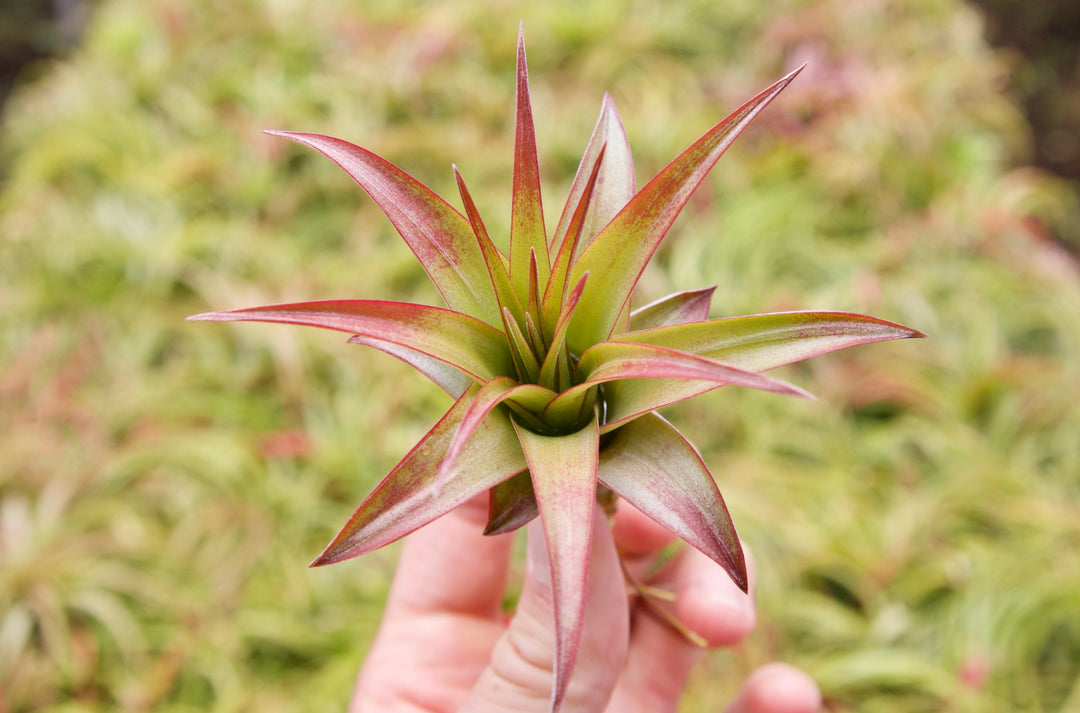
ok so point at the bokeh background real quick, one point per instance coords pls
(163, 484)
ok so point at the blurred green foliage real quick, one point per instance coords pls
(162, 483)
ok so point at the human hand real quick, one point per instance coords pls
(444, 644)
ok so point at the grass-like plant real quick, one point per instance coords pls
(556, 380)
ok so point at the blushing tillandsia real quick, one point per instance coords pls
(556, 380)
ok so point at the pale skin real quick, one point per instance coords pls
(445, 644)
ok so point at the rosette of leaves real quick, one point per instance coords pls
(556, 380)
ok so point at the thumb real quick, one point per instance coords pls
(520, 675)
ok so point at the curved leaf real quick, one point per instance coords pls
(609, 361)
(659, 472)
(521, 351)
(557, 360)
(608, 156)
(511, 505)
(756, 342)
(765, 341)
(438, 235)
(409, 497)
(665, 372)
(678, 308)
(555, 292)
(494, 260)
(563, 472)
(620, 252)
(457, 339)
(487, 398)
(450, 379)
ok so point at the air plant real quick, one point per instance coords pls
(556, 380)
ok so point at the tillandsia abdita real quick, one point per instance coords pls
(556, 380)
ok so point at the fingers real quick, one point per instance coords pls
(520, 675)
(709, 604)
(637, 534)
(778, 688)
(449, 566)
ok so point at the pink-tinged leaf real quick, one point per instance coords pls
(659, 472)
(570, 407)
(765, 341)
(549, 369)
(663, 368)
(493, 259)
(535, 338)
(526, 417)
(528, 368)
(462, 341)
(620, 252)
(438, 235)
(756, 342)
(555, 293)
(409, 496)
(563, 472)
(609, 361)
(679, 308)
(608, 149)
(512, 504)
(527, 233)
(533, 308)
(450, 379)
(490, 395)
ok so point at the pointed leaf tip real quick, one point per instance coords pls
(650, 464)
(620, 252)
(527, 231)
(678, 308)
(439, 236)
(464, 342)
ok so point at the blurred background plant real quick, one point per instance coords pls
(162, 485)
